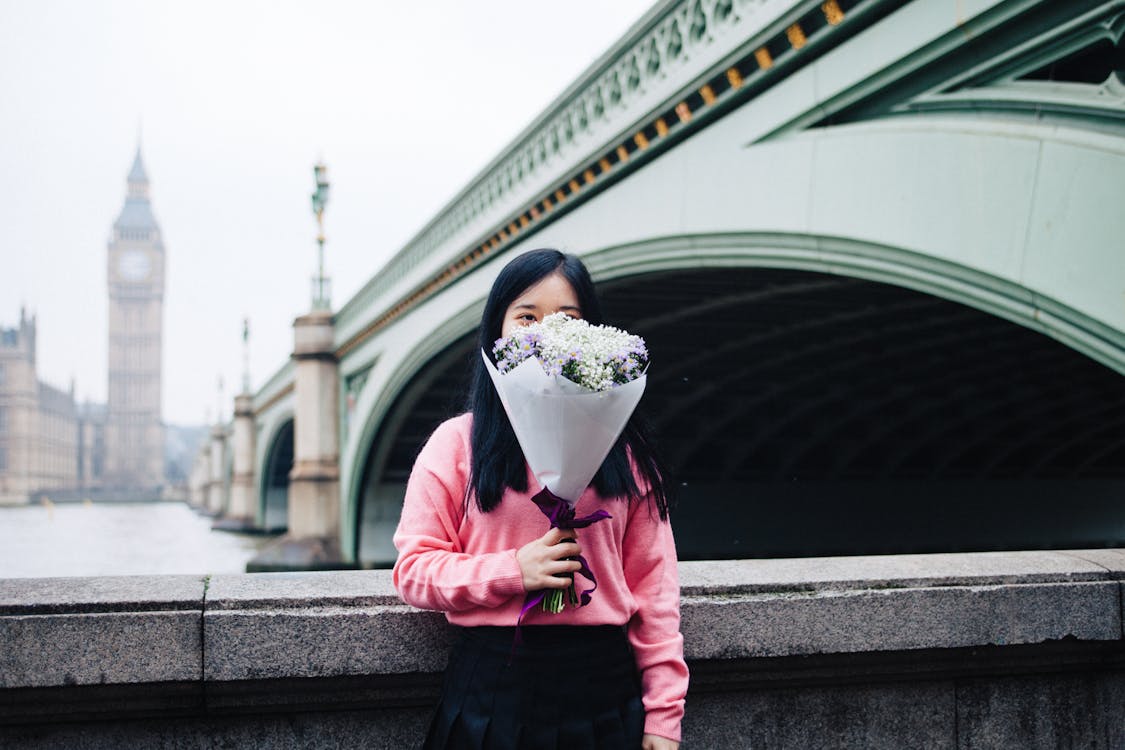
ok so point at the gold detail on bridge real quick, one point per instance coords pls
(832, 12)
(796, 36)
(797, 39)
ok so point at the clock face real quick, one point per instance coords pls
(134, 265)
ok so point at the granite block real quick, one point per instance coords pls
(1113, 701)
(75, 703)
(317, 624)
(37, 596)
(90, 631)
(350, 692)
(891, 619)
(387, 729)
(357, 588)
(716, 577)
(1037, 711)
(323, 642)
(99, 648)
(1112, 560)
(892, 716)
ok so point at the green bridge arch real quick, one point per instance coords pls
(407, 373)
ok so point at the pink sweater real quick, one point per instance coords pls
(464, 564)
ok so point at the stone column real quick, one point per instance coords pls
(216, 488)
(200, 478)
(314, 482)
(241, 515)
(313, 539)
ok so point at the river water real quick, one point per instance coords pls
(101, 539)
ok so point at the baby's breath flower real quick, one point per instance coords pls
(596, 357)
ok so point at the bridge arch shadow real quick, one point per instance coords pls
(816, 402)
(273, 483)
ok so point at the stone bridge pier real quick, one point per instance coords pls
(217, 487)
(240, 513)
(313, 538)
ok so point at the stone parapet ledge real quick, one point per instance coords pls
(97, 631)
(838, 605)
(237, 629)
(319, 624)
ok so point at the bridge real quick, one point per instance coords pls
(876, 249)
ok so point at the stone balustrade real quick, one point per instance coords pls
(1017, 649)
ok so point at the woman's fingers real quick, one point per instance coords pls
(566, 549)
(552, 582)
(554, 539)
(563, 566)
(541, 559)
(554, 536)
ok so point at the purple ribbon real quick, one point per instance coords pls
(561, 515)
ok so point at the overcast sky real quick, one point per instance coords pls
(234, 102)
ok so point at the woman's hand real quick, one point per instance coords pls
(655, 742)
(541, 559)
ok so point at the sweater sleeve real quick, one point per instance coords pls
(649, 558)
(432, 570)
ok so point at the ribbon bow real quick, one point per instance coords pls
(561, 515)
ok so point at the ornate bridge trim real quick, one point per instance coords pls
(681, 67)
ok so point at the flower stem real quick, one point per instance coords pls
(553, 602)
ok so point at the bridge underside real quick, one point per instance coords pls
(273, 491)
(811, 414)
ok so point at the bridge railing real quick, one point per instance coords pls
(664, 58)
(1019, 649)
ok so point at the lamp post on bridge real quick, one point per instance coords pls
(321, 285)
(312, 541)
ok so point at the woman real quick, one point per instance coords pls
(472, 544)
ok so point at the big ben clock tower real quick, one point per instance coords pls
(134, 441)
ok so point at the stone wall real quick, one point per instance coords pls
(1020, 649)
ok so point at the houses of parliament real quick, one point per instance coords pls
(53, 446)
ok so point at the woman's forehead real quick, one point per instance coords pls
(554, 285)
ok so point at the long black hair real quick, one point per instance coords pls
(497, 459)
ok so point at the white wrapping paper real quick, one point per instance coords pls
(565, 430)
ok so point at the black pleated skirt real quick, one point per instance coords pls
(573, 687)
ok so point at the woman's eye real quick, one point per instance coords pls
(527, 318)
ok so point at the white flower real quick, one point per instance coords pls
(596, 357)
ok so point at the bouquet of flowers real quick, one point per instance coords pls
(568, 388)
